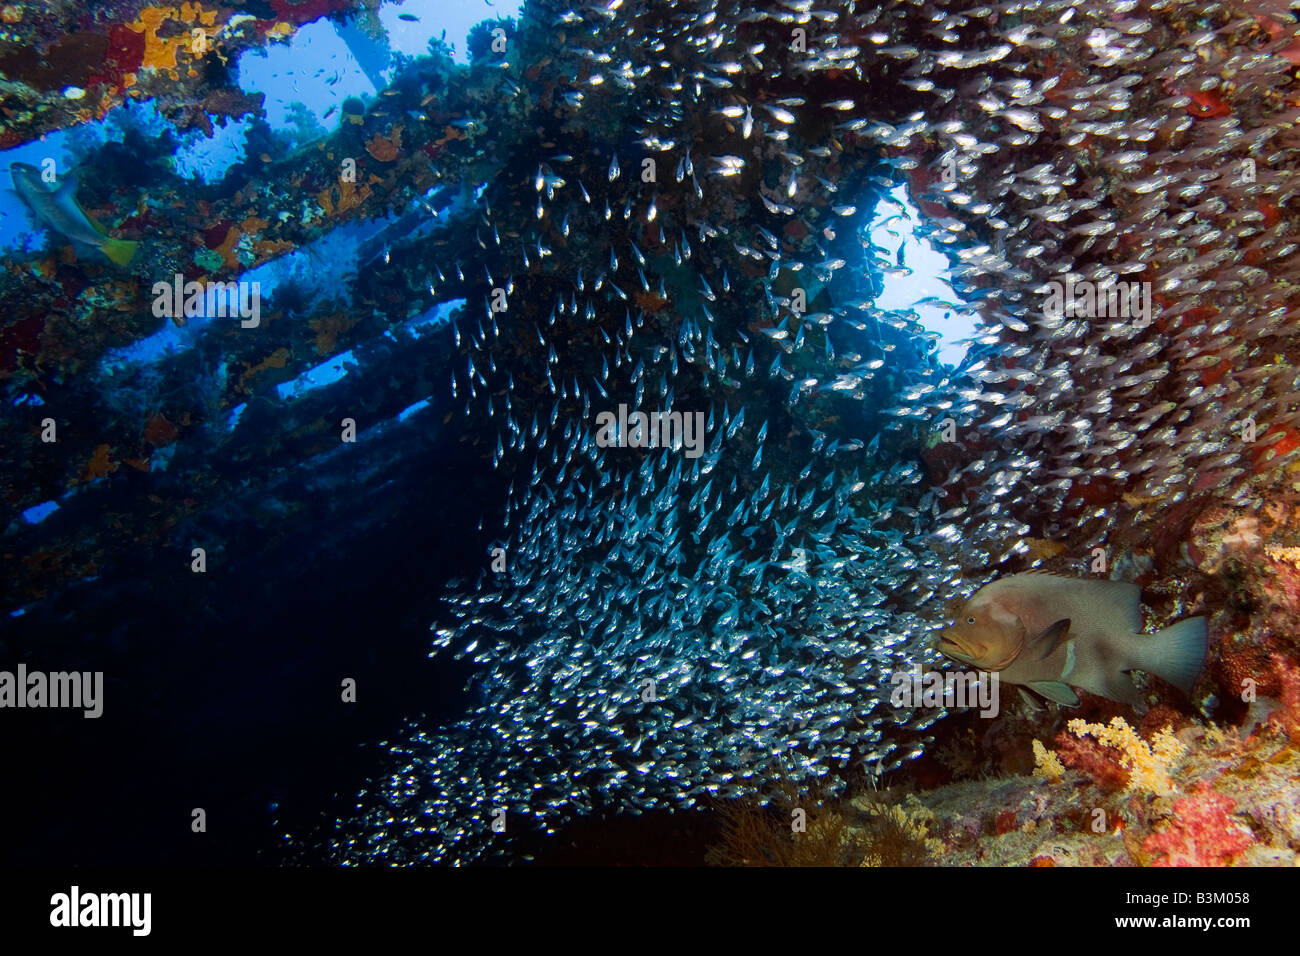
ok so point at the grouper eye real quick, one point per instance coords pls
(970, 620)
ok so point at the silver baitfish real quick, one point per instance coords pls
(666, 624)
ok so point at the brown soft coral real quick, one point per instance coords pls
(1092, 760)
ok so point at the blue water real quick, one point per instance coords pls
(402, 566)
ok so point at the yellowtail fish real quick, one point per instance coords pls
(1047, 632)
(58, 209)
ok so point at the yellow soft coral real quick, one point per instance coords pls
(1047, 766)
(1147, 764)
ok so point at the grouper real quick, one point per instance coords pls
(58, 209)
(1048, 633)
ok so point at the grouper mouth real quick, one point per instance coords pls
(954, 650)
(978, 659)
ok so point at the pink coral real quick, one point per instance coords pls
(1201, 833)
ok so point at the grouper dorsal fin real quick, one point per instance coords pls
(1045, 643)
(1055, 691)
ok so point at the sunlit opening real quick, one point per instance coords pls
(917, 277)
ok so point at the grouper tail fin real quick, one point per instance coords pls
(121, 251)
(1177, 653)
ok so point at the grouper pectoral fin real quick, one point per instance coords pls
(1055, 691)
(1044, 644)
